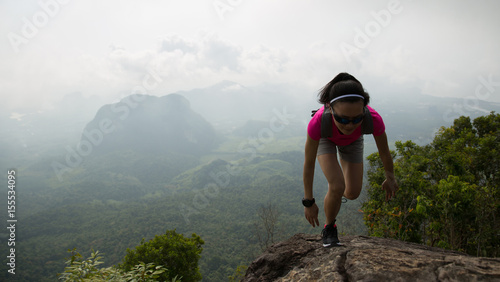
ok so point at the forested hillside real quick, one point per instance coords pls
(109, 215)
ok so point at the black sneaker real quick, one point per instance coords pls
(329, 235)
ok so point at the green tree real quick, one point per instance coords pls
(178, 254)
(79, 269)
(238, 274)
(449, 190)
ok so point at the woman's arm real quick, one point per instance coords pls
(390, 185)
(311, 150)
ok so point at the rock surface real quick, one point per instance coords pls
(361, 258)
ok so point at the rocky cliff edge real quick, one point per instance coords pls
(361, 258)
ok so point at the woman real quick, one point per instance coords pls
(345, 98)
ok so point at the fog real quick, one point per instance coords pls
(237, 60)
(53, 48)
(227, 107)
(241, 65)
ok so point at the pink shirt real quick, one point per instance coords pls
(314, 128)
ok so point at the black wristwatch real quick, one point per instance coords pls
(308, 203)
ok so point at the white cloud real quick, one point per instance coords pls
(106, 49)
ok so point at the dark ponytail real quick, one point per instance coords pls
(343, 84)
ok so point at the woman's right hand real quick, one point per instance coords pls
(311, 214)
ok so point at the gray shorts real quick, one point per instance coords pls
(352, 153)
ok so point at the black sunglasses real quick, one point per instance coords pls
(342, 120)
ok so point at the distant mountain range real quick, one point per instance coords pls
(229, 105)
(407, 113)
(198, 115)
(149, 124)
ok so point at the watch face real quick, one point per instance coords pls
(307, 203)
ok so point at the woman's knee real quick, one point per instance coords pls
(336, 189)
(352, 194)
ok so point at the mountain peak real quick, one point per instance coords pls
(227, 86)
(225, 83)
(361, 258)
(150, 124)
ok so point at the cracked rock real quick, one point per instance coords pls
(361, 258)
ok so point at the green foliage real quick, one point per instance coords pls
(177, 253)
(146, 272)
(449, 190)
(238, 274)
(78, 269)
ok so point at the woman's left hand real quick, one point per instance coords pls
(390, 186)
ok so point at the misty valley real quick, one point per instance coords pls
(102, 176)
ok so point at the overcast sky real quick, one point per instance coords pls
(109, 49)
